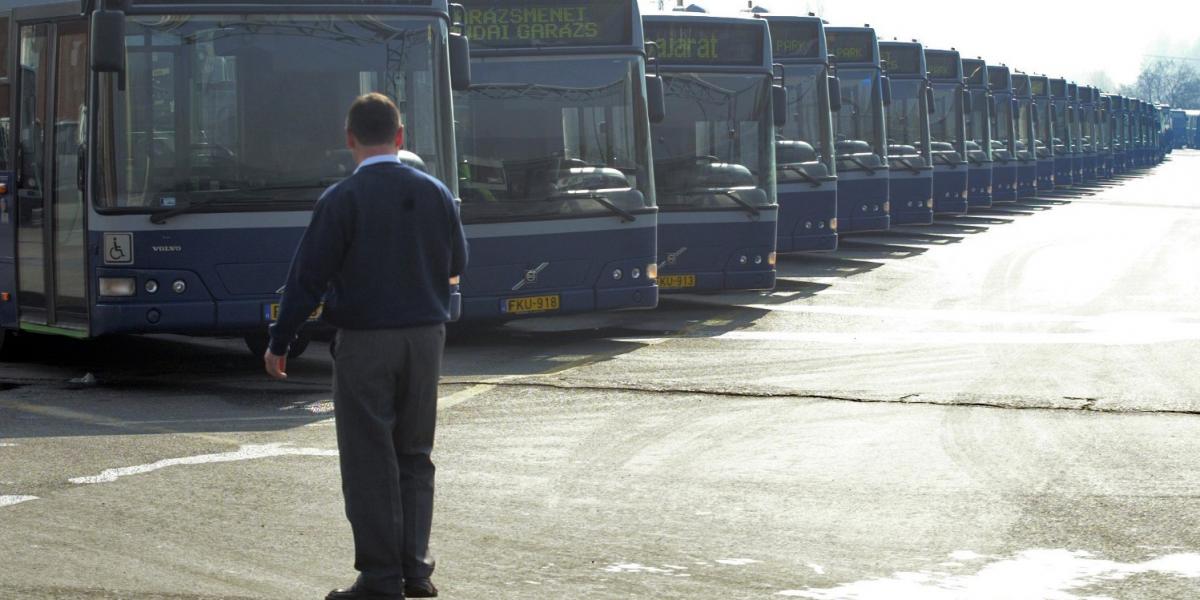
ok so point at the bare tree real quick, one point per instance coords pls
(1170, 81)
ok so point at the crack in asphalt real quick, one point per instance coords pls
(1080, 404)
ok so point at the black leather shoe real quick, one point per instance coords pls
(419, 588)
(353, 593)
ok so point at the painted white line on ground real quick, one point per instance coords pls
(11, 500)
(246, 452)
(7, 445)
(448, 402)
(1115, 337)
(735, 562)
(1029, 574)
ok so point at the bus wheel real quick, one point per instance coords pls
(257, 344)
(8, 345)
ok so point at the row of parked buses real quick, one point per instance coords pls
(159, 160)
(1185, 128)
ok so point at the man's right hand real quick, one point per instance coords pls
(276, 365)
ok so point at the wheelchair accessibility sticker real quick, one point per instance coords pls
(118, 249)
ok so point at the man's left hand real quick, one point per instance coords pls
(276, 365)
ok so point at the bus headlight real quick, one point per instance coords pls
(771, 258)
(118, 286)
(179, 286)
(635, 273)
(151, 286)
(652, 271)
(617, 274)
(887, 206)
(833, 224)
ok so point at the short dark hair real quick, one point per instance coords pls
(373, 119)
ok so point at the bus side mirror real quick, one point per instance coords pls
(886, 83)
(779, 100)
(835, 94)
(992, 104)
(108, 41)
(929, 105)
(656, 99)
(1016, 106)
(967, 105)
(460, 62)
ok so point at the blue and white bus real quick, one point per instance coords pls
(1119, 116)
(948, 128)
(1005, 139)
(714, 153)
(160, 184)
(911, 178)
(1044, 144)
(555, 169)
(979, 151)
(1024, 116)
(860, 130)
(1064, 144)
(805, 166)
(1075, 123)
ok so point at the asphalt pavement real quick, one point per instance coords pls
(998, 406)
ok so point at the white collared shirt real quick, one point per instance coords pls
(378, 158)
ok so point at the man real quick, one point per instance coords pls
(380, 250)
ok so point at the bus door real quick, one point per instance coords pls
(51, 131)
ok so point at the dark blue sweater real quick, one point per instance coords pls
(380, 251)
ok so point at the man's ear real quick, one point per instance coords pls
(351, 143)
(400, 137)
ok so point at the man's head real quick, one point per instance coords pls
(373, 126)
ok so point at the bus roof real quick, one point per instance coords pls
(853, 45)
(688, 39)
(944, 65)
(797, 39)
(905, 60)
(518, 27)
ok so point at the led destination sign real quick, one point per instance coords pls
(1038, 86)
(1058, 88)
(689, 43)
(851, 46)
(498, 24)
(942, 65)
(792, 39)
(902, 60)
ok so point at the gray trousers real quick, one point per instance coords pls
(385, 404)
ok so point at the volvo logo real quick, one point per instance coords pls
(673, 257)
(531, 276)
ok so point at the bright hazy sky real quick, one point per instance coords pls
(1072, 38)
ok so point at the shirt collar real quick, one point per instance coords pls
(377, 159)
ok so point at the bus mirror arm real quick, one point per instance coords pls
(108, 41)
(835, 94)
(81, 166)
(779, 101)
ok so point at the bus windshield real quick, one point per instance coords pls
(1025, 146)
(714, 149)
(945, 125)
(1063, 128)
(1045, 146)
(859, 145)
(246, 111)
(907, 125)
(803, 146)
(1003, 145)
(1087, 129)
(979, 134)
(552, 137)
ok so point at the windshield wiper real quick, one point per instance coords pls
(732, 195)
(625, 215)
(946, 160)
(973, 160)
(160, 217)
(908, 166)
(803, 174)
(860, 163)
